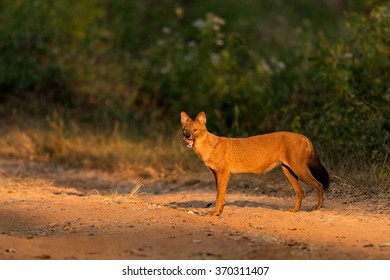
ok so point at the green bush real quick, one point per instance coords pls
(348, 90)
(40, 45)
(213, 71)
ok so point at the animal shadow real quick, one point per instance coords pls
(207, 204)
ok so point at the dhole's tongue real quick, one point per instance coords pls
(190, 142)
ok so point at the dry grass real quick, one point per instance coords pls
(368, 180)
(23, 182)
(136, 188)
(105, 151)
(26, 179)
(119, 198)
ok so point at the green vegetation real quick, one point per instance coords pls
(321, 68)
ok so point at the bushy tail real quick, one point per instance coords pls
(318, 170)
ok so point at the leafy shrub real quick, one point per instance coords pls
(348, 90)
(40, 42)
(213, 71)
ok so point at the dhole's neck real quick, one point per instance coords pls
(204, 146)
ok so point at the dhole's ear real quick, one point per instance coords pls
(184, 118)
(201, 118)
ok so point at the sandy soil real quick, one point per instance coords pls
(49, 212)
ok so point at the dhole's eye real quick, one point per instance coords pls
(195, 129)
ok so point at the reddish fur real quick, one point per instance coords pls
(257, 154)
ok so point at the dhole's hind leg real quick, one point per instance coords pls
(293, 179)
(309, 179)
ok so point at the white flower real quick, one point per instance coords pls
(281, 65)
(192, 44)
(215, 19)
(166, 30)
(219, 42)
(348, 55)
(199, 23)
(215, 58)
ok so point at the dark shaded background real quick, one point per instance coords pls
(321, 68)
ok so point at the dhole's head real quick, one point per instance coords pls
(193, 130)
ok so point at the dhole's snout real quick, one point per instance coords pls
(188, 139)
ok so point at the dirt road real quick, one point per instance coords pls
(51, 212)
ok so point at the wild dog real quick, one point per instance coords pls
(257, 154)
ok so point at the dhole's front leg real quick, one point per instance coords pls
(221, 181)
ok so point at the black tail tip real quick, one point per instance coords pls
(326, 183)
(319, 172)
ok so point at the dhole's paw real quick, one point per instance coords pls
(292, 210)
(317, 207)
(215, 212)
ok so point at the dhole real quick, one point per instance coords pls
(257, 154)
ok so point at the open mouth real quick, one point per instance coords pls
(190, 142)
